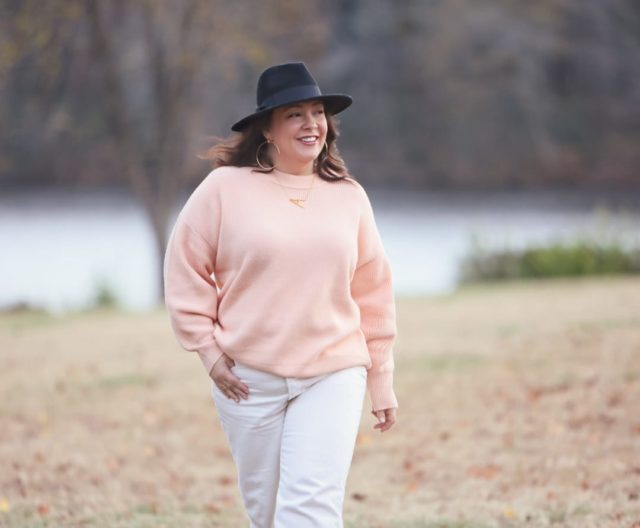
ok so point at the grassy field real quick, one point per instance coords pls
(519, 406)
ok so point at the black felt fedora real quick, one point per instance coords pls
(290, 83)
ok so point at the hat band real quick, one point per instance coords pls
(290, 95)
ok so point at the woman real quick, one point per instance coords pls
(300, 318)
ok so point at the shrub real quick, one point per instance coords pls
(104, 296)
(579, 258)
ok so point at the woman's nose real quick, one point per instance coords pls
(309, 120)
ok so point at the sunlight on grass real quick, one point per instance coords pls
(506, 392)
(443, 363)
(130, 379)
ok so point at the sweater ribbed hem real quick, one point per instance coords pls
(209, 354)
(381, 390)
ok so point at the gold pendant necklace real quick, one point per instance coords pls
(300, 202)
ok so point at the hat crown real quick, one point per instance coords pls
(280, 79)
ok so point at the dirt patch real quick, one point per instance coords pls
(518, 407)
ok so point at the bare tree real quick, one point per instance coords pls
(149, 53)
(158, 59)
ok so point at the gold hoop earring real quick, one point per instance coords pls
(274, 144)
(258, 155)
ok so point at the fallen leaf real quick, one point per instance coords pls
(533, 394)
(114, 463)
(150, 418)
(614, 399)
(595, 439)
(225, 480)
(484, 472)
(227, 499)
(413, 485)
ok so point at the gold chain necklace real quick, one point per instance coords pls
(300, 202)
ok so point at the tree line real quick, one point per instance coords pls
(447, 93)
(452, 92)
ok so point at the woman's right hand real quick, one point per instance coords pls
(230, 385)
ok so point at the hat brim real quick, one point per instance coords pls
(334, 104)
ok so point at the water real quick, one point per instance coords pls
(58, 245)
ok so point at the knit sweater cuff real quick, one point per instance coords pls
(381, 390)
(209, 354)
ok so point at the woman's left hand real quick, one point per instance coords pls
(386, 418)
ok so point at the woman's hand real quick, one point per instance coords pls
(230, 385)
(386, 418)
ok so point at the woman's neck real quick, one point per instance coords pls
(296, 170)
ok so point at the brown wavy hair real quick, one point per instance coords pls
(240, 149)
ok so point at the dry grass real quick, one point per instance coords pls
(519, 407)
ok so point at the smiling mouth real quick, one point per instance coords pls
(309, 140)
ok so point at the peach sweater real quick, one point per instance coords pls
(293, 291)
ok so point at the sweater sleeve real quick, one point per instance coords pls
(191, 295)
(372, 289)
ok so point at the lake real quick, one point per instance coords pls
(58, 245)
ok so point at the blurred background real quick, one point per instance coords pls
(479, 129)
(498, 140)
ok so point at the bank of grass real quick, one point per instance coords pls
(22, 315)
(423, 523)
(578, 258)
(518, 408)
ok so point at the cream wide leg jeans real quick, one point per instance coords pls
(292, 442)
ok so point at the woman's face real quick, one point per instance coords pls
(299, 131)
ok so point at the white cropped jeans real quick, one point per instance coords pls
(292, 442)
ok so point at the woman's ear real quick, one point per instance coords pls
(266, 125)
